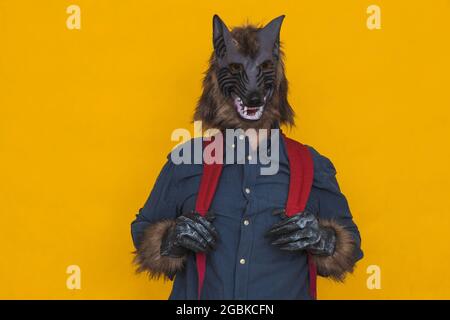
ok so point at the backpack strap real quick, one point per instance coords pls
(300, 182)
(301, 168)
(208, 185)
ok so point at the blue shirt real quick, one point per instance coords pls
(244, 265)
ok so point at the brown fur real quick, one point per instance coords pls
(216, 111)
(342, 261)
(148, 258)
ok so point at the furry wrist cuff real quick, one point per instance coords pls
(148, 257)
(342, 261)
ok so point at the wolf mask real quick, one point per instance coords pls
(245, 85)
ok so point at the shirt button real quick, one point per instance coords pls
(242, 261)
(247, 190)
(249, 158)
(246, 222)
(233, 145)
(241, 137)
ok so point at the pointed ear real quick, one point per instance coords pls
(220, 33)
(218, 27)
(270, 35)
(272, 29)
(222, 39)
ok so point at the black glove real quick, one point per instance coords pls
(302, 232)
(192, 232)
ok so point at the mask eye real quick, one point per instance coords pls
(266, 65)
(235, 67)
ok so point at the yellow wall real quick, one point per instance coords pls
(86, 117)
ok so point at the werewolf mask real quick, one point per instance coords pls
(245, 86)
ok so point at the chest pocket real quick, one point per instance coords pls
(229, 200)
(272, 190)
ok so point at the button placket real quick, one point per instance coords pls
(243, 255)
(246, 236)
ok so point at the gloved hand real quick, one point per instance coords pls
(302, 232)
(192, 232)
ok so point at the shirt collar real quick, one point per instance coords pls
(244, 154)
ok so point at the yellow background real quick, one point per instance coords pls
(86, 117)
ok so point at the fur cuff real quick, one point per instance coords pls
(342, 260)
(148, 258)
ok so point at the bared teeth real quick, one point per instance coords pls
(254, 114)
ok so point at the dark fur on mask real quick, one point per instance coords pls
(216, 107)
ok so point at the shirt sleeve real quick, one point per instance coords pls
(160, 205)
(329, 201)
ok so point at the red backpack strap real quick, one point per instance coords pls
(301, 176)
(208, 185)
(301, 168)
